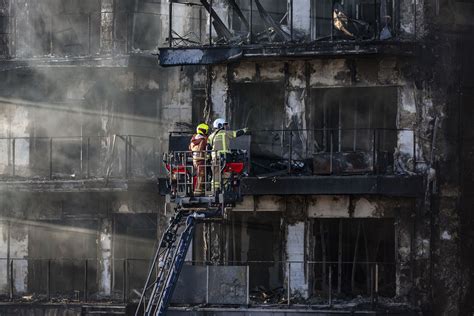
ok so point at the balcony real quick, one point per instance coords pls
(203, 32)
(328, 161)
(76, 280)
(282, 162)
(79, 163)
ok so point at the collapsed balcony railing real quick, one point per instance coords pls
(235, 23)
(331, 151)
(80, 157)
(298, 282)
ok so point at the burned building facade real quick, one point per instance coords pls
(359, 176)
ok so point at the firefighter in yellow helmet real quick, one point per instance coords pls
(198, 147)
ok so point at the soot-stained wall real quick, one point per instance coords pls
(432, 235)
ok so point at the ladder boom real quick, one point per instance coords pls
(169, 259)
(177, 265)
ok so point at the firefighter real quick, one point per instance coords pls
(198, 147)
(219, 142)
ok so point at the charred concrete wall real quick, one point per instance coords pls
(432, 236)
(424, 103)
(447, 41)
(300, 244)
(293, 103)
(87, 103)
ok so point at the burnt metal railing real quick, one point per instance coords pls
(205, 23)
(327, 151)
(200, 23)
(77, 279)
(330, 151)
(80, 157)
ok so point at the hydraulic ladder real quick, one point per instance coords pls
(169, 259)
(171, 251)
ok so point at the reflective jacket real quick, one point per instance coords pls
(220, 139)
(198, 146)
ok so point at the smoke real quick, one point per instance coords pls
(64, 247)
(69, 81)
(69, 85)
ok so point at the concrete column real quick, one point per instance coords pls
(406, 120)
(106, 26)
(19, 251)
(403, 227)
(219, 91)
(295, 108)
(408, 23)
(104, 272)
(4, 247)
(295, 254)
(215, 238)
(13, 246)
(109, 127)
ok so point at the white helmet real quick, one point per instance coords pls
(219, 123)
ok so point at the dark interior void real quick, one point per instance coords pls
(351, 126)
(147, 24)
(350, 249)
(64, 246)
(260, 107)
(258, 240)
(249, 239)
(134, 240)
(277, 9)
(199, 104)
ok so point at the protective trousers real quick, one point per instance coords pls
(200, 169)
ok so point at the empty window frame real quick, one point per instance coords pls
(352, 249)
(57, 28)
(256, 240)
(351, 126)
(260, 106)
(347, 117)
(64, 246)
(198, 106)
(367, 18)
(134, 240)
(262, 31)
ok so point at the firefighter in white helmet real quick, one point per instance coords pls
(219, 142)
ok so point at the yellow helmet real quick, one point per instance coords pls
(202, 129)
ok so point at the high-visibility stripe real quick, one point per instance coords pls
(218, 141)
